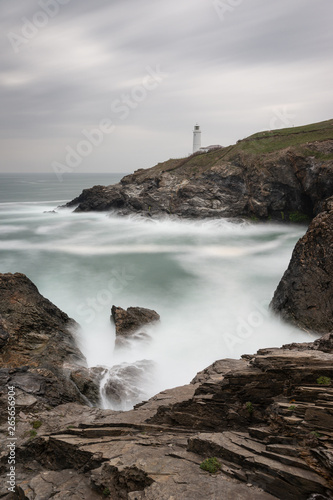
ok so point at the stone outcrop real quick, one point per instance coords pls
(130, 323)
(88, 382)
(267, 418)
(260, 177)
(37, 347)
(304, 295)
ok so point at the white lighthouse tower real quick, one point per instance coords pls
(196, 138)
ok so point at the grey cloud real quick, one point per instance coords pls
(263, 54)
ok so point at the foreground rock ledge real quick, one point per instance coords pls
(264, 417)
(268, 418)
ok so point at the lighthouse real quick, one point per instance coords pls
(196, 138)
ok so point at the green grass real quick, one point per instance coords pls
(323, 380)
(255, 145)
(298, 217)
(318, 154)
(249, 407)
(274, 140)
(36, 424)
(271, 142)
(211, 465)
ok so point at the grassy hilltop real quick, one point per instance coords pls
(256, 145)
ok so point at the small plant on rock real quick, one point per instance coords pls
(249, 407)
(211, 465)
(292, 408)
(36, 424)
(297, 216)
(106, 492)
(33, 434)
(323, 380)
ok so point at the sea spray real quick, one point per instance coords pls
(209, 280)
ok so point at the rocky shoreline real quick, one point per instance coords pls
(262, 181)
(260, 427)
(266, 419)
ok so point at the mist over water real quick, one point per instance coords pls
(211, 282)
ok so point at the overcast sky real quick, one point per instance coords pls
(116, 85)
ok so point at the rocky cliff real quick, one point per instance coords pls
(305, 293)
(255, 428)
(281, 175)
(37, 347)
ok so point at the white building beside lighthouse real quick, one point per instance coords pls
(196, 138)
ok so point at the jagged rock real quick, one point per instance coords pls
(304, 294)
(264, 417)
(217, 370)
(3, 337)
(287, 183)
(36, 341)
(129, 321)
(324, 343)
(88, 382)
(37, 331)
(273, 472)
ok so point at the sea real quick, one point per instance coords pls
(211, 281)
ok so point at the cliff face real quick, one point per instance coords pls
(37, 347)
(304, 295)
(282, 175)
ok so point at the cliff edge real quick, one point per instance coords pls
(281, 175)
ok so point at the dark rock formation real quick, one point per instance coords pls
(37, 347)
(304, 296)
(265, 418)
(88, 382)
(131, 320)
(259, 177)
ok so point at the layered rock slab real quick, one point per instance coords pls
(278, 446)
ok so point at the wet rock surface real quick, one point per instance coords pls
(131, 324)
(265, 418)
(126, 384)
(304, 295)
(289, 184)
(37, 347)
(88, 382)
(129, 321)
